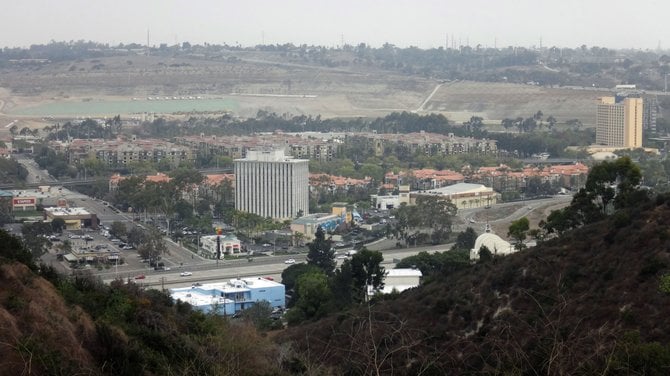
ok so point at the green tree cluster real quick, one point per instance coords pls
(610, 186)
(430, 218)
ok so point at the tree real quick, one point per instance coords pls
(610, 186)
(551, 122)
(366, 269)
(259, 315)
(34, 237)
(290, 276)
(436, 214)
(465, 240)
(118, 229)
(485, 254)
(343, 287)
(321, 253)
(57, 225)
(153, 247)
(518, 231)
(137, 236)
(12, 249)
(622, 172)
(438, 262)
(314, 298)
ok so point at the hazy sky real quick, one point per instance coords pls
(422, 23)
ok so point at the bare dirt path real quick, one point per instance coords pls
(428, 98)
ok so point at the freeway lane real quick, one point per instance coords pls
(260, 267)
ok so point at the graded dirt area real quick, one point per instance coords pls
(254, 84)
(257, 81)
(496, 101)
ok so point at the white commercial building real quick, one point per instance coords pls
(228, 298)
(401, 279)
(463, 195)
(230, 245)
(272, 184)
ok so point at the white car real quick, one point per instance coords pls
(341, 257)
(289, 261)
(185, 274)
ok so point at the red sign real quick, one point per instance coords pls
(19, 201)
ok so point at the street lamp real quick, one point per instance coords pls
(218, 245)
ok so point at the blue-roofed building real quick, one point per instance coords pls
(228, 298)
(308, 224)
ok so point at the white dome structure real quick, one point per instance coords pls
(494, 243)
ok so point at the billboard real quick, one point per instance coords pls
(24, 201)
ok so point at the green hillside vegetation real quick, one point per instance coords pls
(56, 325)
(594, 301)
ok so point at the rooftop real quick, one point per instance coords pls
(458, 189)
(403, 273)
(62, 212)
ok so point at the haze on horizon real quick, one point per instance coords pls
(422, 23)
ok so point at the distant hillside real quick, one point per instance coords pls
(588, 303)
(264, 80)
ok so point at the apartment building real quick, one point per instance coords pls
(427, 143)
(122, 152)
(619, 122)
(308, 146)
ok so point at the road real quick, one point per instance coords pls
(500, 216)
(263, 266)
(35, 174)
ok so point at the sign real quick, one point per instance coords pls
(24, 201)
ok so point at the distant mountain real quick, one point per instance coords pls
(595, 301)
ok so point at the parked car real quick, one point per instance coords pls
(185, 274)
(289, 261)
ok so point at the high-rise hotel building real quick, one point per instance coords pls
(272, 184)
(619, 122)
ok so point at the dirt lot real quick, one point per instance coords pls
(338, 92)
(496, 101)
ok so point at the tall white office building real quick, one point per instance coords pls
(272, 184)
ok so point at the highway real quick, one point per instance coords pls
(261, 266)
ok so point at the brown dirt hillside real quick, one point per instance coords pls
(38, 331)
(587, 303)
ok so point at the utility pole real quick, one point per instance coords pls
(218, 246)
